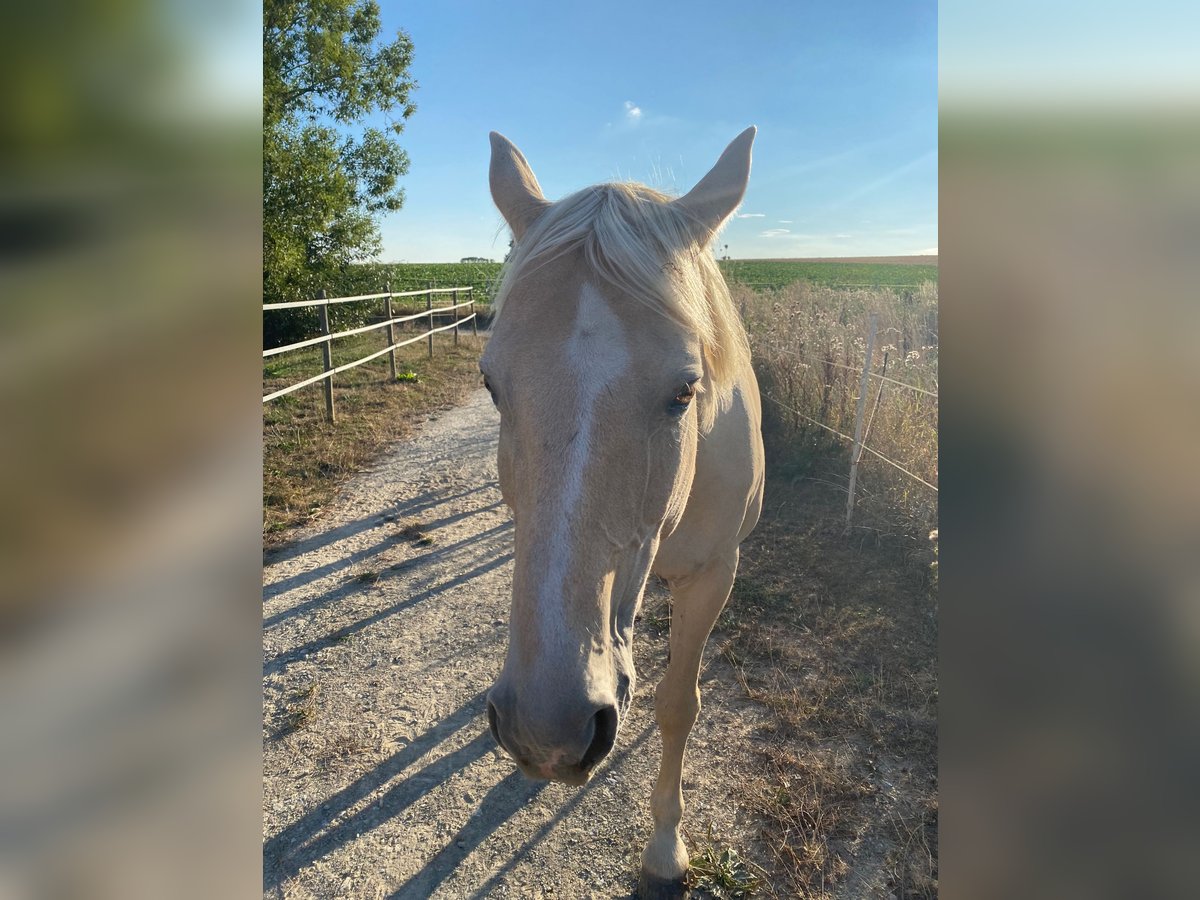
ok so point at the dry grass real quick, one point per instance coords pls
(808, 344)
(305, 458)
(837, 637)
(836, 634)
(296, 711)
(412, 532)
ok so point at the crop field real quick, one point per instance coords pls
(882, 272)
(896, 272)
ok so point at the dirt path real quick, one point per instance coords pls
(384, 625)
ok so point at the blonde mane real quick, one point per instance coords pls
(634, 239)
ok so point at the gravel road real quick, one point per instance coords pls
(384, 624)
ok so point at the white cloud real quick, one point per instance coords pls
(774, 232)
(751, 216)
(785, 221)
(633, 113)
(931, 251)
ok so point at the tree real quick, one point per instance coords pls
(325, 71)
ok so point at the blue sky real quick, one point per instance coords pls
(1102, 53)
(844, 95)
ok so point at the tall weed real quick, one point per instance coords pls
(809, 343)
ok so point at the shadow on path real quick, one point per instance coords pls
(375, 520)
(411, 507)
(351, 586)
(565, 810)
(278, 663)
(313, 836)
(302, 842)
(500, 804)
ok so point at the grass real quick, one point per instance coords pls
(837, 638)
(809, 343)
(298, 711)
(835, 634)
(412, 532)
(827, 273)
(305, 458)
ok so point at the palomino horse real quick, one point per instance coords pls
(629, 443)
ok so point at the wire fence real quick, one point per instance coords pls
(863, 422)
(881, 377)
(388, 320)
(846, 437)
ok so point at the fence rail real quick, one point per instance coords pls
(389, 321)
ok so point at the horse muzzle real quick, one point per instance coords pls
(543, 748)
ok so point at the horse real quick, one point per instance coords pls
(630, 444)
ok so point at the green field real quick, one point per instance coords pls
(760, 273)
(779, 273)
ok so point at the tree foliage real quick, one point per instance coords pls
(326, 72)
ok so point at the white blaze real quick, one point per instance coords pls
(597, 353)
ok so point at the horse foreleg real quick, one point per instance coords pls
(698, 601)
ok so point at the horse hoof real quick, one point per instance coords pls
(651, 887)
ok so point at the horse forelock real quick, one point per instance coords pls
(633, 238)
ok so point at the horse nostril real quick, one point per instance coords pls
(603, 737)
(492, 724)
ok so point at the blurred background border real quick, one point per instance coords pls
(1069, 218)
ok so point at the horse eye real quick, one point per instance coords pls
(684, 398)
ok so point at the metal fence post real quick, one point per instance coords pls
(391, 329)
(455, 329)
(864, 386)
(327, 355)
(429, 307)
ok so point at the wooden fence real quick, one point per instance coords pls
(389, 321)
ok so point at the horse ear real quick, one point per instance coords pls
(706, 206)
(515, 190)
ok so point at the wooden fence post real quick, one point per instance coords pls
(878, 397)
(327, 355)
(455, 329)
(864, 386)
(475, 319)
(429, 307)
(391, 329)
